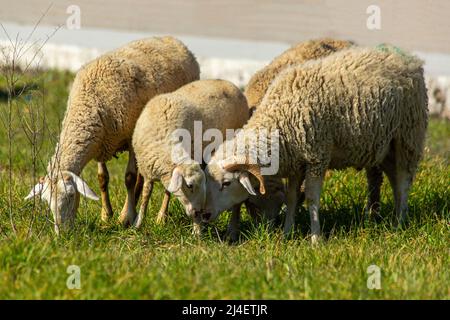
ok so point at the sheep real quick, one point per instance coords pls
(361, 108)
(269, 205)
(301, 52)
(106, 99)
(218, 104)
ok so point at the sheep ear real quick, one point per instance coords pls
(83, 188)
(37, 190)
(245, 181)
(176, 181)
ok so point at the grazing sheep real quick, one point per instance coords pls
(301, 52)
(362, 108)
(106, 99)
(218, 104)
(269, 205)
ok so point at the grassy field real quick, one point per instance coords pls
(167, 262)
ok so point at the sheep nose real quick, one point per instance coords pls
(206, 216)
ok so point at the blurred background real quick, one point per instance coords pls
(232, 39)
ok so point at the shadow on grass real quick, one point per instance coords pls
(347, 219)
(335, 220)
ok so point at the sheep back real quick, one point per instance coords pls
(109, 93)
(313, 49)
(217, 104)
(346, 109)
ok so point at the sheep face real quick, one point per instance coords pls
(224, 189)
(188, 185)
(62, 193)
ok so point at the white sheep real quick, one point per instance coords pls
(269, 205)
(362, 108)
(217, 104)
(106, 99)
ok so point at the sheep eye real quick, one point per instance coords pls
(225, 184)
(190, 186)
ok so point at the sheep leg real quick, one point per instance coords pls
(233, 227)
(162, 214)
(197, 224)
(374, 180)
(389, 169)
(197, 228)
(128, 214)
(146, 194)
(301, 195)
(292, 194)
(313, 186)
(403, 184)
(400, 179)
(252, 211)
(405, 170)
(138, 187)
(103, 180)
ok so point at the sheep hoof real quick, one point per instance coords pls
(372, 216)
(400, 224)
(57, 230)
(125, 223)
(315, 240)
(126, 219)
(288, 231)
(161, 218)
(138, 221)
(197, 229)
(106, 215)
(232, 235)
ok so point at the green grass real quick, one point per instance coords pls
(167, 262)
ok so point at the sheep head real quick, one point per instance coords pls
(228, 184)
(62, 193)
(187, 183)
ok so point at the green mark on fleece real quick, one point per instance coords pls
(385, 47)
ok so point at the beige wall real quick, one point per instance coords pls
(415, 24)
